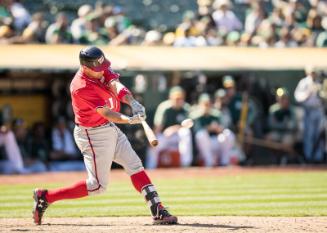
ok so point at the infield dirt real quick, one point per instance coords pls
(186, 224)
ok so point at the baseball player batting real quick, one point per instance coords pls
(96, 95)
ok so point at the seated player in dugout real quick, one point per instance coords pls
(236, 102)
(282, 119)
(96, 95)
(167, 123)
(214, 142)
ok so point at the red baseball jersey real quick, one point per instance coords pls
(88, 94)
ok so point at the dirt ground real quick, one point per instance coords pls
(186, 224)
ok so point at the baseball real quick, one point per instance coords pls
(187, 123)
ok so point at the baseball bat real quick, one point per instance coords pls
(243, 117)
(150, 134)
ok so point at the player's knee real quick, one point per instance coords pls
(134, 167)
(184, 132)
(201, 135)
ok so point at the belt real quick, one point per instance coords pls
(94, 127)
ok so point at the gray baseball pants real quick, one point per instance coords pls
(101, 146)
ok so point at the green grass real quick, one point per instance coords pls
(275, 194)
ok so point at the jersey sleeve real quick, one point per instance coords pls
(110, 75)
(159, 115)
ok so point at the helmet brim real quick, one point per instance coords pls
(102, 67)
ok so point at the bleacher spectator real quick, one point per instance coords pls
(265, 36)
(7, 30)
(95, 34)
(152, 38)
(172, 136)
(213, 141)
(33, 33)
(254, 17)
(123, 22)
(189, 40)
(112, 29)
(4, 10)
(189, 22)
(20, 14)
(241, 23)
(225, 19)
(59, 31)
(285, 39)
(322, 38)
(282, 119)
(314, 24)
(78, 27)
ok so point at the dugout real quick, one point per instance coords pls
(34, 78)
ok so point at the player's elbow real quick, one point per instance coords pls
(105, 112)
(158, 129)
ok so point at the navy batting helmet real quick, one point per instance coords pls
(93, 58)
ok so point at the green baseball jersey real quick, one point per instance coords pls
(166, 115)
(202, 120)
(235, 108)
(280, 119)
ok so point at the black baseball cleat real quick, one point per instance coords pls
(163, 217)
(40, 205)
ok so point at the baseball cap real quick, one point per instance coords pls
(228, 81)
(309, 69)
(93, 58)
(220, 93)
(177, 92)
(280, 92)
(84, 10)
(204, 97)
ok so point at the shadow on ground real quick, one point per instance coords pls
(203, 225)
(200, 225)
(192, 225)
(216, 226)
(78, 224)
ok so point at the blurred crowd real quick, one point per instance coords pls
(266, 23)
(228, 123)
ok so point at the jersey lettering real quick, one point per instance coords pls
(112, 104)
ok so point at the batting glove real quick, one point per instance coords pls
(136, 119)
(138, 109)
